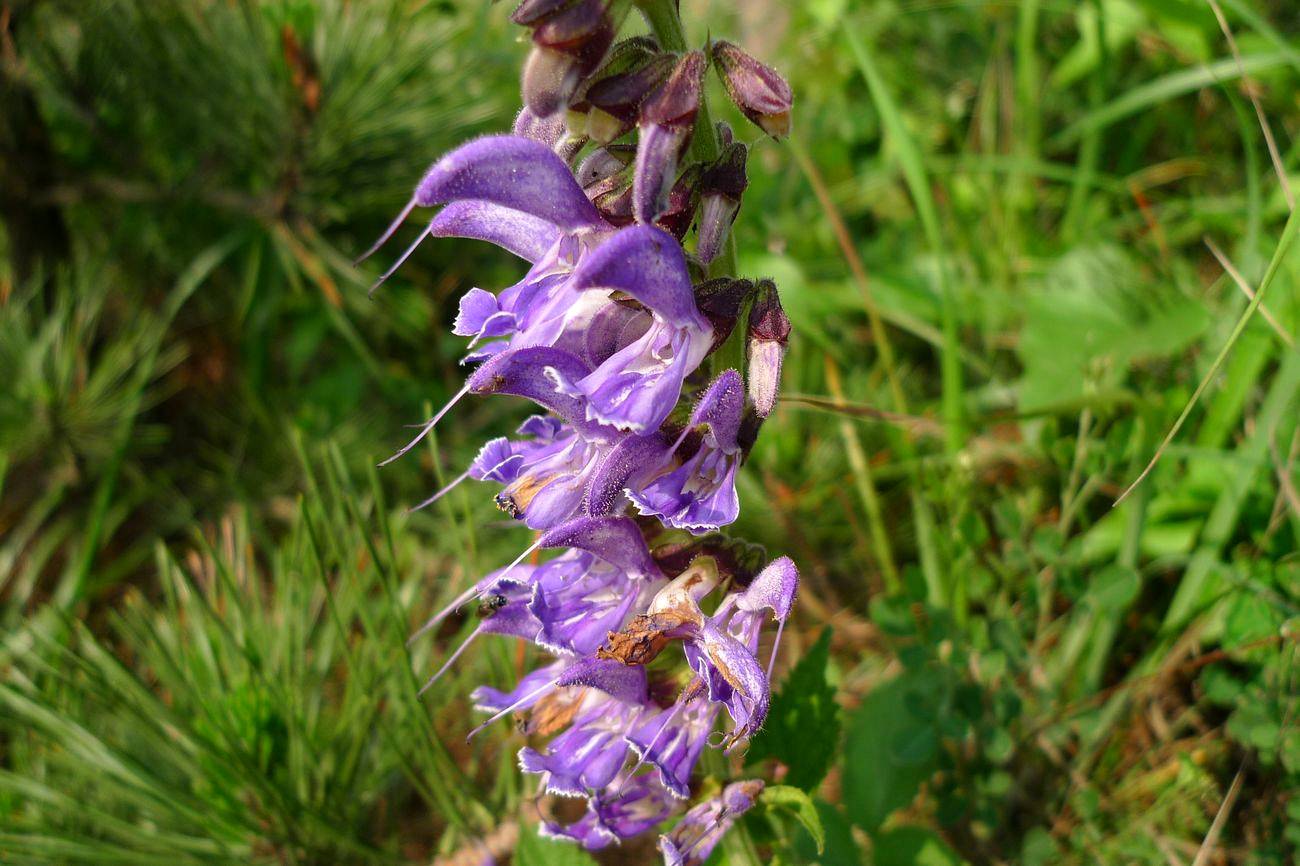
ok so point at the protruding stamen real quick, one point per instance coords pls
(780, 626)
(442, 614)
(723, 811)
(642, 754)
(388, 233)
(450, 660)
(520, 558)
(428, 425)
(516, 705)
(401, 260)
(441, 493)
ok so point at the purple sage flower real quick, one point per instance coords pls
(639, 435)
(693, 839)
(626, 809)
(700, 494)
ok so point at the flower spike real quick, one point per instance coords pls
(629, 471)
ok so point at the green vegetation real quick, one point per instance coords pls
(1003, 231)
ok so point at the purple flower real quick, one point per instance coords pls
(672, 740)
(700, 494)
(637, 386)
(569, 604)
(586, 757)
(620, 682)
(579, 599)
(698, 833)
(721, 648)
(509, 190)
(774, 589)
(604, 332)
(625, 809)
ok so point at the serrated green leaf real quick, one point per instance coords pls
(799, 804)
(803, 725)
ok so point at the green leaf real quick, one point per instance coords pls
(1250, 618)
(533, 850)
(1114, 588)
(875, 781)
(840, 848)
(800, 805)
(803, 725)
(915, 746)
(913, 846)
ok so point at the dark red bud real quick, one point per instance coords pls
(757, 89)
(683, 200)
(571, 28)
(721, 300)
(726, 175)
(767, 320)
(567, 46)
(613, 198)
(621, 94)
(531, 12)
(677, 100)
(624, 56)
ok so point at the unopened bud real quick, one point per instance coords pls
(667, 118)
(567, 45)
(721, 300)
(721, 186)
(757, 89)
(530, 13)
(549, 79)
(613, 199)
(683, 200)
(678, 101)
(615, 99)
(736, 558)
(769, 333)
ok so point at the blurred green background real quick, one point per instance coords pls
(1003, 232)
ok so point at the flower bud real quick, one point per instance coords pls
(721, 300)
(769, 332)
(683, 200)
(530, 13)
(568, 43)
(721, 186)
(616, 98)
(613, 199)
(667, 118)
(736, 558)
(758, 90)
